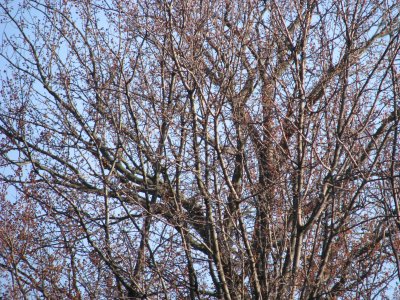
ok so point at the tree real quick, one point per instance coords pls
(200, 149)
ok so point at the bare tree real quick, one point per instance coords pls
(199, 149)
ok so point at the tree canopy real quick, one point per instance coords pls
(194, 149)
